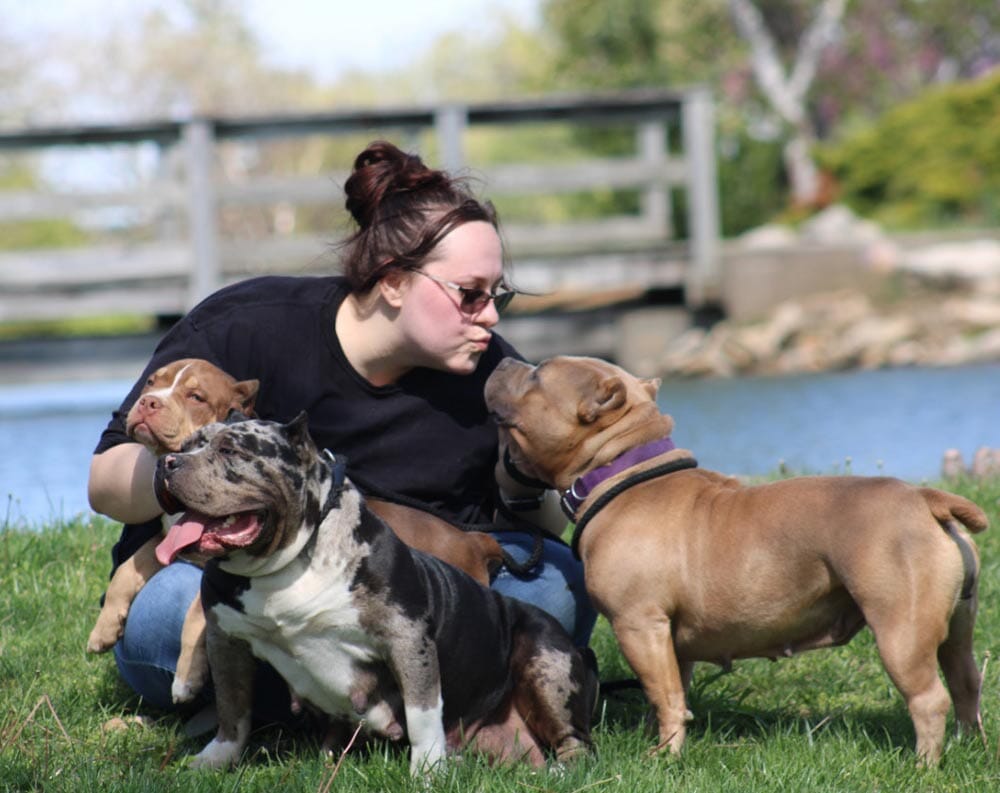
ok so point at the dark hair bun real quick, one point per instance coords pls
(382, 172)
(403, 210)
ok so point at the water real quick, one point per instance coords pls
(896, 422)
(47, 435)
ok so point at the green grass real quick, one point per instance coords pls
(824, 721)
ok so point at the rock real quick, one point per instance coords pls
(949, 315)
(974, 312)
(769, 236)
(765, 340)
(838, 225)
(868, 343)
(985, 464)
(952, 464)
(973, 261)
(883, 256)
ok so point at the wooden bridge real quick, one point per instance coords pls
(174, 209)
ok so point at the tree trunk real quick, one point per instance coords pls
(786, 92)
(803, 175)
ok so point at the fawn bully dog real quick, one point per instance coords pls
(690, 565)
(359, 625)
(177, 399)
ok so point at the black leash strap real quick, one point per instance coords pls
(612, 492)
(337, 464)
(525, 568)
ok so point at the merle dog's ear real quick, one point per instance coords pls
(298, 430)
(235, 416)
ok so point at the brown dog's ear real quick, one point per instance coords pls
(245, 396)
(652, 385)
(609, 394)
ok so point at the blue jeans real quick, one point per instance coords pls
(147, 652)
(555, 585)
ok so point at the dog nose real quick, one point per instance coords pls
(150, 402)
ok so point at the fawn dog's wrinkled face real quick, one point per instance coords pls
(558, 417)
(247, 486)
(182, 397)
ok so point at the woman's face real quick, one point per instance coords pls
(439, 332)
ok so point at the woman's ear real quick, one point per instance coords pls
(392, 286)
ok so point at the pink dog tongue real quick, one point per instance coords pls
(183, 534)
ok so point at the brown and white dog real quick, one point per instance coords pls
(690, 565)
(177, 399)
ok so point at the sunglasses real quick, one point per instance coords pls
(474, 300)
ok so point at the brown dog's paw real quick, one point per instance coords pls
(103, 637)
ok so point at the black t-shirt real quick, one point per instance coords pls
(427, 438)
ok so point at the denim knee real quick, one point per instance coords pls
(556, 585)
(146, 654)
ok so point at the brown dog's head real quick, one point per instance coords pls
(182, 397)
(569, 414)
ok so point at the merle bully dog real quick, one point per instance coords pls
(307, 578)
(690, 565)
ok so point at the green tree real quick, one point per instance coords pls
(783, 70)
(952, 131)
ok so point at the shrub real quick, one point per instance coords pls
(932, 161)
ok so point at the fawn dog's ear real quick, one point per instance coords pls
(609, 395)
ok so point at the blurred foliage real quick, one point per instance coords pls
(752, 185)
(633, 43)
(613, 44)
(889, 51)
(932, 161)
(36, 234)
(40, 233)
(110, 325)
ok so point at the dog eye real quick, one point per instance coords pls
(197, 397)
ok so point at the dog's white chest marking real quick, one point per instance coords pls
(304, 622)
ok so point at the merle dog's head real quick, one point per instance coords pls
(247, 485)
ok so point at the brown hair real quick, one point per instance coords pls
(403, 210)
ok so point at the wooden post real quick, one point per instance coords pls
(655, 199)
(450, 122)
(698, 122)
(206, 273)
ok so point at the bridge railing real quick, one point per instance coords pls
(174, 209)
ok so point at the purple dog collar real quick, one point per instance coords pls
(584, 485)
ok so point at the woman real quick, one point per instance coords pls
(388, 360)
